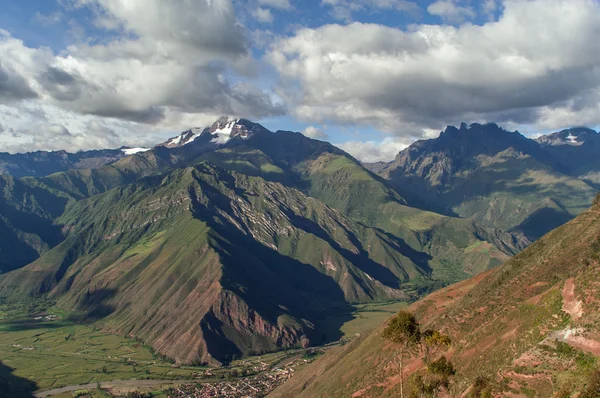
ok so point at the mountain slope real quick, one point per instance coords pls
(497, 178)
(26, 223)
(451, 247)
(531, 327)
(235, 264)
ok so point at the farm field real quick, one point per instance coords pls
(54, 352)
(44, 344)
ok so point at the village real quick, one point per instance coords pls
(255, 386)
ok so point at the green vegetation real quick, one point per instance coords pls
(57, 352)
(529, 327)
(405, 333)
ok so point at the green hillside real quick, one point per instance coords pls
(252, 262)
(527, 328)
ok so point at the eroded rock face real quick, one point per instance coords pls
(231, 329)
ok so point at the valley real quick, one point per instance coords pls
(235, 257)
(53, 349)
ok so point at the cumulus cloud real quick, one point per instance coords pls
(13, 86)
(35, 126)
(315, 133)
(159, 66)
(343, 9)
(450, 11)
(536, 64)
(489, 8)
(372, 151)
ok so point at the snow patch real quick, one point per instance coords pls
(196, 132)
(223, 135)
(175, 141)
(133, 151)
(572, 139)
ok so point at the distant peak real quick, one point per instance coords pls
(464, 127)
(573, 136)
(222, 130)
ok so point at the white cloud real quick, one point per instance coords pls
(450, 11)
(315, 133)
(263, 15)
(37, 126)
(537, 64)
(160, 67)
(371, 151)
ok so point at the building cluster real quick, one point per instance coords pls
(247, 387)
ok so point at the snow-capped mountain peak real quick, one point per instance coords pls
(221, 131)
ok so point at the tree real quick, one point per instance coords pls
(403, 330)
(482, 388)
(432, 342)
(437, 377)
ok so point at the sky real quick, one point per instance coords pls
(371, 76)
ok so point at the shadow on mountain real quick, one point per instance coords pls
(360, 259)
(22, 324)
(421, 259)
(277, 287)
(542, 221)
(12, 386)
(486, 182)
(94, 305)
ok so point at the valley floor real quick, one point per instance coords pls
(45, 345)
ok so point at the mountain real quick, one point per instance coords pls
(577, 151)
(42, 163)
(221, 131)
(219, 247)
(27, 229)
(498, 178)
(235, 264)
(528, 328)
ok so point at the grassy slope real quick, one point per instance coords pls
(444, 242)
(332, 176)
(504, 325)
(158, 258)
(26, 228)
(511, 189)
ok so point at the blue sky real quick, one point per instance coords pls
(369, 75)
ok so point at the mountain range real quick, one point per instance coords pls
(500, 178)
(234, 240)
